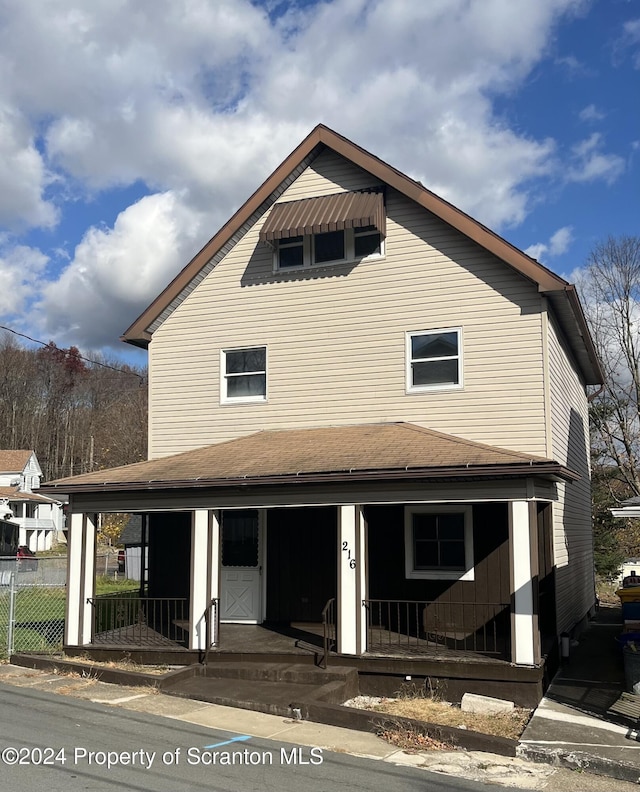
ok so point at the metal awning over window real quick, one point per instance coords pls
(326, 213)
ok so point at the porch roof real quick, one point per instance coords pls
(391, 451)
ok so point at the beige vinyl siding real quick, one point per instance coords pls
(573, 543)
(336, 336)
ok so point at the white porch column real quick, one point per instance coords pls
(205, 574)
(524, 622)
(81, 573)
(352, 550)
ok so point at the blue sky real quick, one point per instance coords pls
(130, 131)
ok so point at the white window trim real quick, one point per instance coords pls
(439, 574)
(410, 388)
(308, 249)
(224, 398)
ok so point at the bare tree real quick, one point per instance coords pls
(77, 416)
(610, 287)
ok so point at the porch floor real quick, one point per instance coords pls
(269, 639)
(301, 638)
(138, 636)
(296, 639)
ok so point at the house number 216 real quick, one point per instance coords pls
(346, 549)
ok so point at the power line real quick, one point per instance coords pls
(79, 356)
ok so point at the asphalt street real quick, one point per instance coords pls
(55, 744)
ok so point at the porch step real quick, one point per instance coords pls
(280, 672)
(275, 688)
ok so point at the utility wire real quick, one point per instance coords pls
(79, 356)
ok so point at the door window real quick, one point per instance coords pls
(240, 538)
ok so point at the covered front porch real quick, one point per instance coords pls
(381, 544)
(322, 581)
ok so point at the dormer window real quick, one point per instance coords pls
(330, 229)
(290, 252)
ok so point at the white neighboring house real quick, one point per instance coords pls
(41, 519)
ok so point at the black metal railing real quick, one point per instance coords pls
(127, 619)
(212, 631)
(328, 631)
(435, 627)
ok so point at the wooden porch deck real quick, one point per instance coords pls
(303, 638)
(296, 639)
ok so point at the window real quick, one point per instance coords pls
(439, 542)
(291, 252)
(244, 374)
(328, 247)
(434, 360)
(332, 247)
(367, 242)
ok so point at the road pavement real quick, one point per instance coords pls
(40, 709)
(54, 743)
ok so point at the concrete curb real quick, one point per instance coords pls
(579, 760)
(312, 709)
(112, 675)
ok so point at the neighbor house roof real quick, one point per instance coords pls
(628, 508)
(14, 461)
(334, 454)
(16, 495)
(561, 294)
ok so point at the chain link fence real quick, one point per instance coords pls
(33, 594)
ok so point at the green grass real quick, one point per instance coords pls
(108, 585)
(37, 607)
(39, 618)
(36, 604)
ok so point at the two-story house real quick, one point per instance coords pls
(40, 518)
(366, 409)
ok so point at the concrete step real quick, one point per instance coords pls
(276, 688)
(279, 672)
(275, 698)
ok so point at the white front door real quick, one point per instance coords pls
(241, 571)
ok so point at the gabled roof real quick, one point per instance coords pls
(394, 451)
(14, 461)
(561, 294)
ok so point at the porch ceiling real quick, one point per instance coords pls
(393, 451)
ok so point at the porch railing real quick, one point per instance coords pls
(212, 631)
(127, 619)
(328, 631)
(435, 627)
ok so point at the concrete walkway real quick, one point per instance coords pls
(481, 767)
(580, 723)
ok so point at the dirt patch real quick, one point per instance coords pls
(442, 713)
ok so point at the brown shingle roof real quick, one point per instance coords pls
(14, 494)
(14, 461)
(394, 450)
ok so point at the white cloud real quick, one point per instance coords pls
(200, 100)
(23, 175)
(591, 113)
(21, 272)
(208, 96)
(114, 271)
(590, 163)
(630, 40)
(558, 243)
